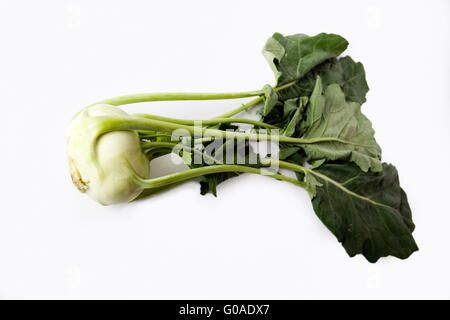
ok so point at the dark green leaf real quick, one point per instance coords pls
(348, 74)
(293, 155)
(209, 182)
(287, 151)
(291, 57)
(285, 115)
(368, 212)
(276, 116)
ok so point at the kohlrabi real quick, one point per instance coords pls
(313, 114)
(104, 162)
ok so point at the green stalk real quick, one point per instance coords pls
(203, 140)
(177, 96)
(284, 164)
(197, 172)
(253, 102)
(207, 122)
(137, 123)
(144, 135)
(244, 107)
(149, 145)
(286, 85)
(158, 152)
(174, 96)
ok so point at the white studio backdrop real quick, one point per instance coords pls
(259, 238)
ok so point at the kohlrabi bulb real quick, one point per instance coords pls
(105, 165)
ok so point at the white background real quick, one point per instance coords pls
(260, 238)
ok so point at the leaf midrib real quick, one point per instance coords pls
(340, 186)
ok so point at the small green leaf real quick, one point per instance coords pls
(209, 182)
(317, 163)
(270, 99)
(311, 184)
(273, 51)
(290, 106)
(290, 128)
(292, 125)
